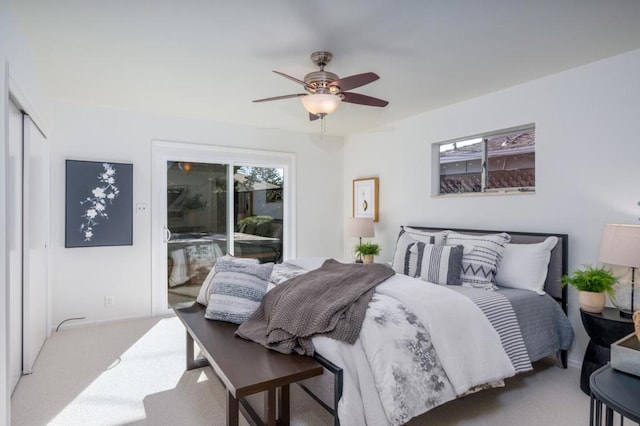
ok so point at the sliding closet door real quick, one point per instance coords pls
(35, 243)
(14, 182)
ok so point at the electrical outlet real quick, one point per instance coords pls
(142, 208)
(108, 301)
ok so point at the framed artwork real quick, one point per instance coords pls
(98, 204)
(365, 198)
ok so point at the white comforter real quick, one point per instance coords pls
(421, 345)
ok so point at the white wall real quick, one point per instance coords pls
(587, 169)
(82, 277)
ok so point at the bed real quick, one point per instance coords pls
(426, 339)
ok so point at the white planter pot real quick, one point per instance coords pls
(591, 301)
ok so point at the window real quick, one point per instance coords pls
(495, 162)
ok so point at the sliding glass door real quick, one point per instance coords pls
(196, 225)
(197, 220)
(222, 203)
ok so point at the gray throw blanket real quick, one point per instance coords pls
(330, 300)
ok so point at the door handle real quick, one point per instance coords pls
(167, 235)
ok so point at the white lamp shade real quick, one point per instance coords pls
(360, 227)
(320, 103)
(620, 245)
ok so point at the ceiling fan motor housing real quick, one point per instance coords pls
(319, 82)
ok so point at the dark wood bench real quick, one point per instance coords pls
(244, 367)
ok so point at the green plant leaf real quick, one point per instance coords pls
(367, 248)
(590, 278)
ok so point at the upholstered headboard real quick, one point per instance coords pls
(557, 263)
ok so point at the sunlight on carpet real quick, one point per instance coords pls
(129, 372)
(117, 395)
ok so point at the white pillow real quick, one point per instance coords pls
(439, 237)
(524, 266)
(284, 271)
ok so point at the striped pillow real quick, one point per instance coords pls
(480, 264)
(238, 289)
(207, 285)
(441, 264)
(407, 257)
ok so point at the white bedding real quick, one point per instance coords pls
(405, 361)
(475, 356)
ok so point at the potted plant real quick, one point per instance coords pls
(592, 283)
(366, 251)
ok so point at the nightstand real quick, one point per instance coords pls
(620, 392)
(603, 329)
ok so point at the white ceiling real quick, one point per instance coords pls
(210, 58)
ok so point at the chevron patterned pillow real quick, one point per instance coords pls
(481, 258)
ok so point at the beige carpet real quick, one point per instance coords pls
(132, 373)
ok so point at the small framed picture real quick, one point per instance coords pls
(365, 198)
(99, 204)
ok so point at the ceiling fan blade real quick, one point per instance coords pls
(313, 117)
(291, 78)
(277, 98)
(353, 81)
(356, 98)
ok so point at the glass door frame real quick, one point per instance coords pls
(164, 151)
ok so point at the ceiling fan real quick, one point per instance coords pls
(325, 90)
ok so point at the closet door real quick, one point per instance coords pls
(35, 243)
(14, 187)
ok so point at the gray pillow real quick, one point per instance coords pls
(238, 289)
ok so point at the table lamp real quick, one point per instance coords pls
(620, 245)
(360, 227)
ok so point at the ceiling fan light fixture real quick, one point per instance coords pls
(321, 103)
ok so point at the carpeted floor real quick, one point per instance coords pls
(133, 373)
